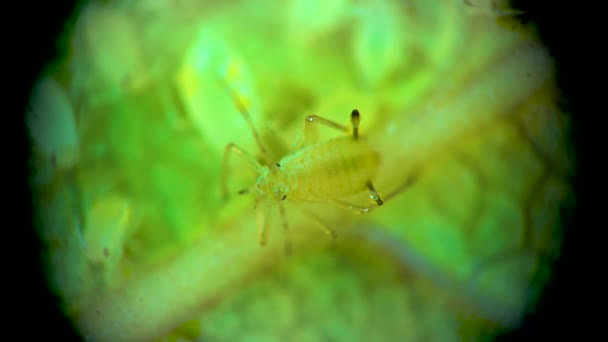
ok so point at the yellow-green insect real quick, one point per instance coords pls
(318, 172)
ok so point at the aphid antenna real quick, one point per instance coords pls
(253, 162)
(246, 191)
(242, 108)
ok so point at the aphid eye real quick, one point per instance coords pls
(284, 197)
(278, 165)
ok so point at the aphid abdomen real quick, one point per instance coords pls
(333, 169)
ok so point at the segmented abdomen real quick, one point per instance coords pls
(330, 170)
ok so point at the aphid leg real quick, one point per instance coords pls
(310, 132)
(355, 119)
(401, 188)
(227, 152)
(287, 240)
(260, 215)
(321, 225)
(317, 119)
(373, 194)
(358, 209)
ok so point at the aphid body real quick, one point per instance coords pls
(329, 170)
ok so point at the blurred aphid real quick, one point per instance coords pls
(490, 8)
(209, 60)
(106, 44)
(108, 223)
(51, 125)
(377, 42)
(310, 19)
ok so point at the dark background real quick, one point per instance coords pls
(572, 305)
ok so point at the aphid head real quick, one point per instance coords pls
(281, 192)
(272, 184)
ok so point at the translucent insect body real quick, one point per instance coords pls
(315, 172)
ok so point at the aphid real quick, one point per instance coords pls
(109, 224)
(210, 56)
(377, 45)
(53, 130)
(490, 8)
(327, 14)
(107, 42)
(317, 172)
